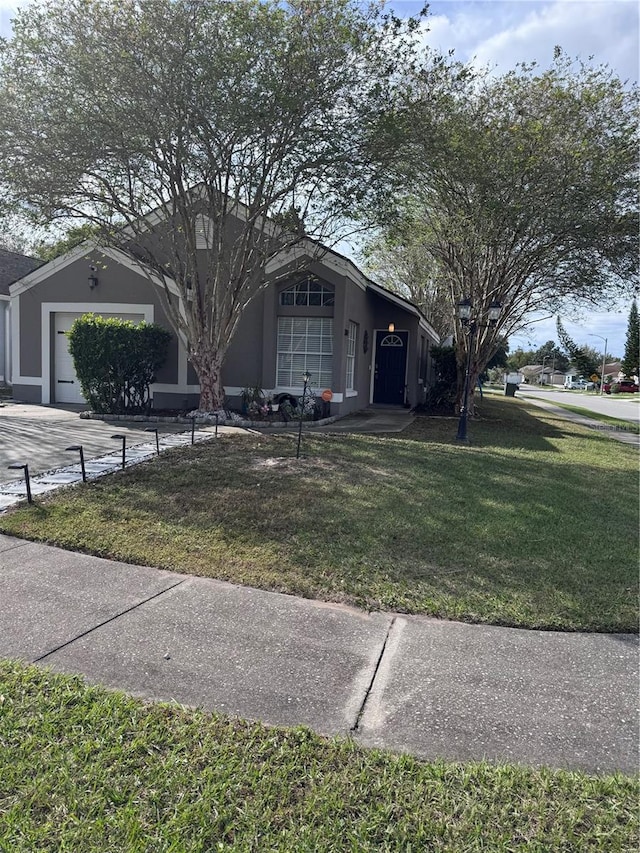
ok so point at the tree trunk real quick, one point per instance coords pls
(207, 363)
(474, 373)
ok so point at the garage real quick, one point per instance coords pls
(66, 385)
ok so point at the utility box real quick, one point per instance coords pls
(511, 383)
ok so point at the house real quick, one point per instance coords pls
(362, 342)
(13, 266)
(538, 374)
(613, 371)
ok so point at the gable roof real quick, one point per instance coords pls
(343, 265)
(307, 246)
(14, 266)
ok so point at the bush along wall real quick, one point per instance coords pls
(116, 362)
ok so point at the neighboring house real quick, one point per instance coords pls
(613, 370)
(531, 373)
(13, 266)
(536, 374)
(364, 343)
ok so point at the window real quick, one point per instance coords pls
(308, 293)
(391, 341)
(351, 356)
(304, 343)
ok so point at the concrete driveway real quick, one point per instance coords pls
(38, 435)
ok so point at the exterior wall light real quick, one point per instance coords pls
(93, 278)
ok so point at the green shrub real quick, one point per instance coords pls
(116, 361)
(615, 388)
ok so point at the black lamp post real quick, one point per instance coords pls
(465, 311)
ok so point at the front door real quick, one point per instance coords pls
(390, 368)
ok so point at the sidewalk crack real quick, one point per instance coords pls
(106, 622)
(363, 704)
(13, 547)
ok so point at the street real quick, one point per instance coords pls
(625, 409)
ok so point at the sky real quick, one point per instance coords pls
(501, 33)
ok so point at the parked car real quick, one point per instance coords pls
(624, 386)
(580, 385)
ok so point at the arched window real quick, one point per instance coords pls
(391, 341)
(307, 293)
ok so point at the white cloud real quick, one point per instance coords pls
(502, 34)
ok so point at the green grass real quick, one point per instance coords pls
(84, 770)
(534, 524)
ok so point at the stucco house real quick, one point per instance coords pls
(13, 266)
(364, 343)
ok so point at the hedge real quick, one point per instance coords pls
(116, 361)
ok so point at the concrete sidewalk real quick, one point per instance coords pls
(625, 436)
(429, 687)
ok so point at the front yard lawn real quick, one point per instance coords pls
(86, 770)
(534, 524)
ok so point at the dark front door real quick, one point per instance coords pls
(391, 366)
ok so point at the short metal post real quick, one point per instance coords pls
(78, 447)
(155, 429)
(124, 447)
(193, 429)
(216, 416)
(305, 378)
(18, 466)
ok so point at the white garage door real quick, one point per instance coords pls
(67, 387)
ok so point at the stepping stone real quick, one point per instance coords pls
(60, 478)
(7, 500)
(37, 488)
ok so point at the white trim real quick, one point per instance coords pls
(15, 348)
(330, 259)
(85, 249)
(343, 266)
(348, 394)
(7, 344)
(57, 264)
(139, 268)
(49, 308)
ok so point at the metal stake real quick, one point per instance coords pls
(154, 429)
(77, 447)
(17, 466)
(124, 447)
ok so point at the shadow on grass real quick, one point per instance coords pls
(408, 523)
